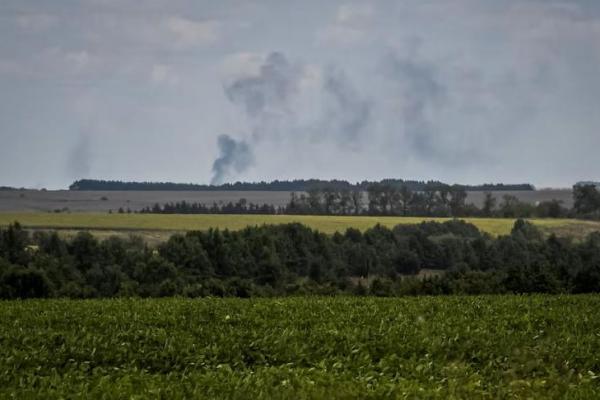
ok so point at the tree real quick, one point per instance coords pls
(430, 198)
(382, 198)
(13, 244)
(507, 208)
(489, 204)
(405, 197)
(344, 202)
(84, 247)
(188, 253)
(529, 231)
(551, 209)
(24, 283)
(356, 201)
(315, 200)
(330, 200)
(286, 259)
(315, 272)
(390, 198)
(511, 207)
(407, 262)
(586, 200)
(374, 193)
(442, 198)
(458, 195)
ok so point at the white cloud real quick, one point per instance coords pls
(189, 33)
(241, 64)
(350, 26)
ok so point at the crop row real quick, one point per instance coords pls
(466, 347)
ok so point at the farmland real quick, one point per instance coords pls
(102, 201)
(311, 347)
(160, 223)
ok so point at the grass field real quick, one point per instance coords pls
(328, 224)
(425, 347)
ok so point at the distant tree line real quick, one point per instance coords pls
(298, 185)
(438, 201)
(384, 199)
(432, 201)
(292, 259)
(242, 206)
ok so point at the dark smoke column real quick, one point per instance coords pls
(234, 156)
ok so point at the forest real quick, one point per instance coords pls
(291, 259)
(298, 185)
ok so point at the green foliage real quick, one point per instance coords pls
(24, 283)
(433, 200)
(293, 259)
(302, 348)
(587, 201)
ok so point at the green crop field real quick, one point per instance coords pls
(327, 224)
(425, 347)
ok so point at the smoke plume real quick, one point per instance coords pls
(267, 92)
(421, 96)
(79, 158)
(235, 156)
(287, 101)
(351, 113)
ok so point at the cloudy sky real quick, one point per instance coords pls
(466, 91)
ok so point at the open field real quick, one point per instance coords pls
(329, 224)
(426, 347)
(102, 201)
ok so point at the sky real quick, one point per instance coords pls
(462, 91)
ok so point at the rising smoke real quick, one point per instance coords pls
(421, 95)
(261, 97)
(351, 113)
(79, 159)
(269, 91)
(235, 156)
(274, 103)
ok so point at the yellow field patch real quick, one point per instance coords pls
(327, 224)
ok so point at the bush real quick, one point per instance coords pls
(24, 283)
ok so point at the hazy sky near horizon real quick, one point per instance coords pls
(465, 91)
